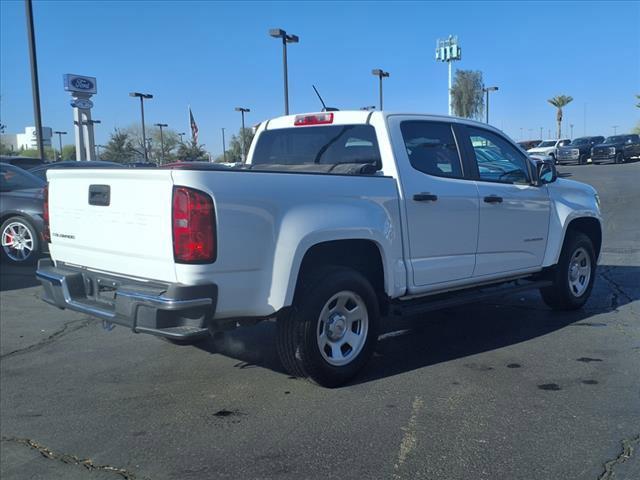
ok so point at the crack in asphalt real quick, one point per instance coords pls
(67, 328)
(627, 451)
(615, 286)
(71, 459)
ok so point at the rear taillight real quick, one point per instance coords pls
(46, 233)
(193, 221)
(313, 119)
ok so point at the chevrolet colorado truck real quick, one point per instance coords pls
(337, 221)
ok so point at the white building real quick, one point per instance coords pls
(27, 140)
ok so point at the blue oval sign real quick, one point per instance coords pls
(82, 84)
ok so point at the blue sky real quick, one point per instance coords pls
(218, 55)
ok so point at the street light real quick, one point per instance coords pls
(98, 147)
(368, 107)
(487, 90)
(571, 126)
(161, 126)
(541, 128)
(380, 74)
(242, 112)
(181, 135)
(615, 129)
(224, 148)
(60, 140)
(279, 33)
(142, 97)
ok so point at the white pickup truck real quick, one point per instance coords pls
(338, 220)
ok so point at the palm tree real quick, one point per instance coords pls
(560, 101)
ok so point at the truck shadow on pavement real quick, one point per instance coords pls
(450, 334)
(14, 277)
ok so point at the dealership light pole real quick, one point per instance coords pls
(541, 128)
(182, 135)
(487, 90)
(161, 126)
(571, 127)
(60, 140)
(368, 107)
(98, 147)
(286, 38)
(449, 51)
(242, 111)
(380, 74)
(224, 148)
(143, 97)
(35, 86)
(615, 129)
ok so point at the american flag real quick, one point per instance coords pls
(194, 126)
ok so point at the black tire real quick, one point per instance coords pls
(297, 331)
(7, 253)
(561, 295)
(553, 157)
(582, 160)
(619, 158)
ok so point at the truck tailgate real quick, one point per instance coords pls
(113, 220)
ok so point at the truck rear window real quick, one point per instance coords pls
(327, 145)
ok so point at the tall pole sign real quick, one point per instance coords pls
(448, 51)
(82, 89)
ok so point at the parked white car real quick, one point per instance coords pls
(339, 219)
(549, 147)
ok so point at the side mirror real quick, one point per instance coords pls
(546, 172)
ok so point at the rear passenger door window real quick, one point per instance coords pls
(497, 159)
(432, 148)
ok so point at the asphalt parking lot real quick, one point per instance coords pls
(505, 389)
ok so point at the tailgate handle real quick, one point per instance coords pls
(100, 195)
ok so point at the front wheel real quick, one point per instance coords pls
(331, 331)
(573, 276)
(619, 158)
(582, 160)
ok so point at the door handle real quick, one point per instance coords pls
(425, 197)
(493, 199)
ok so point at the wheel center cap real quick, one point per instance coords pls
(574, 271)
(336, 326)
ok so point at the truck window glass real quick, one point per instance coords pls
(497, 159)
(431, 148)
(329, 145)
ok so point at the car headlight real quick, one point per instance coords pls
(612, 150)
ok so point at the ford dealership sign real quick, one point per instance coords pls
(80, 84)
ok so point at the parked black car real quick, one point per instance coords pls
(579, 150)
(22, 162)
(21, 215)
(41, 171)
(618, 149)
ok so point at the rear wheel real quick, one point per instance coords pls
(331, 331)
(582, 159)
(573, 276)
(619, 158)
(20, 242)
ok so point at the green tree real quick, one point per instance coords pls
(69, 152)
(234, 152)
(560, 101)
(119, 148)
(638, 104)
(190, 151)
(170, 139)
(466, 94)
(49, 153)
